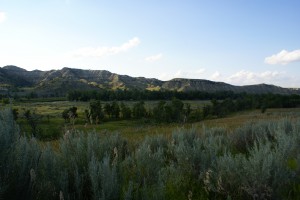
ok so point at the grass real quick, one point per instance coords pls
(53, 125)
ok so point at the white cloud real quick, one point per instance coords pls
(106, 51)
(153, 58)
(200, 71)
(247, 77)
(189, 74)
(216, 76)
(283, 57)
(198, 74)
(2, 17)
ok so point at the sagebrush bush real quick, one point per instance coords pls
(255, 161)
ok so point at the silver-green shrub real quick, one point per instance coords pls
(256, 161)
(263, 172)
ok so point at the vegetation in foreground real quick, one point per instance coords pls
(256, 161)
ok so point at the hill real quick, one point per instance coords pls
(59, 82)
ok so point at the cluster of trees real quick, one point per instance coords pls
(256, 161)
(173, 111)
(248, 102)
(275, 100)
(136, 95)
(177, 111)
(70, 114)
(98, 112)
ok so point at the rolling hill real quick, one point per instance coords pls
(61, 81)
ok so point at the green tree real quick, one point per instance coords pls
(206, 111)
(108, 110)
(33, 119)
(115, 110)
(177, 110)
(187, 111)
(96, 113)
(125, 111)
(139, 110)
(70, 114)
(170, 112)
(159, 112)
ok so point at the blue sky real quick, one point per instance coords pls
(238, 42)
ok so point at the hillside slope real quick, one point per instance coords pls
(67, 79)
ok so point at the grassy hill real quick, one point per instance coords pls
(59, 82)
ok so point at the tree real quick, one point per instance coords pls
(33, 119)
(65, 115)
(159, 112)
(70, 114)
(171, 112)
(139, 110)
(96, 113)
(187, 111)
(125, 111)
(115, 108)
(108, 110)
(206, 111)
(177, 110)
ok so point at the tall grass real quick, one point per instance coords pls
(256, 161)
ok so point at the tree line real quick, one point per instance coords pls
(272, 100)
(136, 95)
(176, 111)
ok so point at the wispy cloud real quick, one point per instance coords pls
(216, 76)
(283, 57)
(154, 58)
(106, 51)
(189, 74)
(2, 17)
(244, 77)
(197, 74)
(247, 77)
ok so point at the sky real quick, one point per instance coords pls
(233, 41)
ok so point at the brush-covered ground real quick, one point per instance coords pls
(248, 155)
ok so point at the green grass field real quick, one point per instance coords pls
(52, 125)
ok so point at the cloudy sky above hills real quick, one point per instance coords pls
(238, 42)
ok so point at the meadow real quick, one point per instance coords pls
(53, 125)
(247, 155)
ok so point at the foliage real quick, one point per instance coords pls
(33, 119)
(95, 112)
(255, 161)
(139, 110)
(15, 113)
(5, 100)
(245, 101)
(125, 111)
(112, 110)
(174, 111)
(70, 113)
